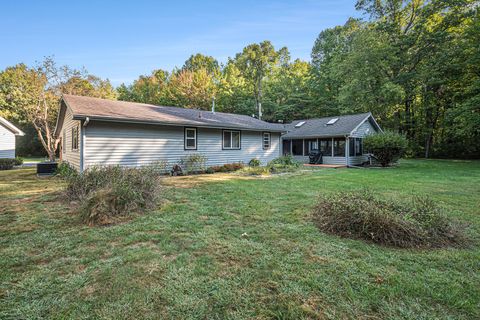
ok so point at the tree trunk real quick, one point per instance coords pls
(259, 99)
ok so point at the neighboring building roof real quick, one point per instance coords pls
(313, 128)
(11, 127)
(121, 111)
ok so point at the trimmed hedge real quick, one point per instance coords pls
(387, 147)
(9, 163)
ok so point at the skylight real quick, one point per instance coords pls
(332, 121)
(301, 123)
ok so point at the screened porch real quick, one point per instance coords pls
(335, 150)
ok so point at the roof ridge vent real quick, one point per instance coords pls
(332, 121)
(301, 123)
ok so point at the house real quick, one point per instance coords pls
(104, 132)
(340, 139)
(8, 133)
(96, 131)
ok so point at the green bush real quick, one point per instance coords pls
(254, 162)
(210, 170)
(283, 164)
(18, 161)
(254, 171)
(228, 167)
(362, 215)
(106, 192)
(7, 163)
(194, 163)
(285, 161)
(387, 147)
(65, 170)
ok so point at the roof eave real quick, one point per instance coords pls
(173, 124)
(7, 124)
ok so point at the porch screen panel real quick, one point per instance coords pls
(339, 147)
(325, 147)
(310, 144)
(297, 147)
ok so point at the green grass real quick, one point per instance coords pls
(223, 246)
(34, 159)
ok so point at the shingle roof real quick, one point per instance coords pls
(102, 109)
(319, 128)
(4, 122)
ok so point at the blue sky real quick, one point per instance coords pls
(121, 40)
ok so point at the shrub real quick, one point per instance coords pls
(254, 162)
(18, 161)
(105, 192)
(7, 164)
(159, 167)
(228, 167)
(210, 170)
(254, 171)
(283, 164)
(284, 161)
(194, 163)
(361, 215)
(387, 147)
(65, 170)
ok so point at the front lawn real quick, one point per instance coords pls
(224, 246)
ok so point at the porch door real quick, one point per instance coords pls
(286, 145)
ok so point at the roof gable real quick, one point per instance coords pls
(9, 126)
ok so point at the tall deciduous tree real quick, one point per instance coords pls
(256, 62)
(32, 95)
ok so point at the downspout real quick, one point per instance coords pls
(82, 149)
(347, 150)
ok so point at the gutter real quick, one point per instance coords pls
(108, 119)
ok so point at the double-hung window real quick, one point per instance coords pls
(75, 137)
(266, 140)
(190, 141)
(231, 140)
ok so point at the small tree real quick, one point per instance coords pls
(32, 95)
(387, 147)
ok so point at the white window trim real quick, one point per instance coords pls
(185, 138)
(231, 140)
(269, 135)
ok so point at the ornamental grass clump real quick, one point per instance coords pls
(107, 192)
(417, 223)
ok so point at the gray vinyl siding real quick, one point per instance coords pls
(363, 130)
(109, 143)
(71, 156)
(7, 143)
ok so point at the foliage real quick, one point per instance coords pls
(31, 95)
(106, 192)
(227, 167)
(254, 171)
(361, 214)
(194, 163)
(7, 163)
(387, 147)
(65, 170)
(254, 162)
(18, 161)
(287, 161)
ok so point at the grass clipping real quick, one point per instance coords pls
(105, 193)
(418, 223)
